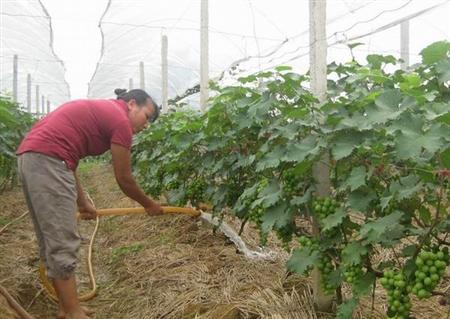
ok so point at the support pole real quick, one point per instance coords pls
(142, 75)
(404, 44)
(204, 55)
(321, 173)
(164, 72)
(130, 84)
(48, 106)
(15, 75)
(43, 105)
(29, 93)
(37, 100)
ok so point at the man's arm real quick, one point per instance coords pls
(122, 171)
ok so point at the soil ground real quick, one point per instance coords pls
(164, 267)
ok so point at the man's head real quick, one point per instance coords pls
(142, 110)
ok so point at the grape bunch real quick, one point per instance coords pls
(326, 267)
(255, 214)
(324, 207)
(292, 182)
(398, 290)
(353, 272)
(306, 242)
(196, 190)
(431, 265)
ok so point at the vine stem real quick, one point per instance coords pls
(373, 298)
(244, 222)
(435, 223)
(396, 256)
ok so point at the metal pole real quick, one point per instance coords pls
(164, 71)
(404, 44)
(29, 93)
(204, 55)
(321, 172)
(43, 105)
(15, 72)
(142, 75)
(48, 106)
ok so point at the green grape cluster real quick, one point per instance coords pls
(326, 267)
(306, 242)
(255, 214)
(431, 265)
(196, 190)
(263, 183)
(353, 272)
(292, 182)
(324, 207)
(398, 290)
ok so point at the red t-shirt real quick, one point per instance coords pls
(78, 129)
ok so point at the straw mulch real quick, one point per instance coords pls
(163, 267)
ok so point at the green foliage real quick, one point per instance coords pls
(14, 124)
(253, 151)
(117, 253)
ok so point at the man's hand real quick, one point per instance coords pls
(87, 211)
(154, 209)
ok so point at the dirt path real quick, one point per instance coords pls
(160, 267)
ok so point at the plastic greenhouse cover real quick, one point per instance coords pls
(26, 31)
(247, 36)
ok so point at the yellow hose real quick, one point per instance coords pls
(107, 212)
(140, 210)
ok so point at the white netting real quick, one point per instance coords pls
(26, 31)
(258, 34)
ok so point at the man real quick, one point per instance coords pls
(47, 159)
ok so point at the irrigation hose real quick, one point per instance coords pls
(100, 213)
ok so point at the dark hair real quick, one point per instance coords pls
(141, 97)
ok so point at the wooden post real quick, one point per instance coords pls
(29, 93)
(142, 75)
(164, 72)
(204, 55)
(404, 44)
(321, 172)
(15, 75)
(37, 100)
(130, 84)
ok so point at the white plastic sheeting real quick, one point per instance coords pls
(26, 31)
(247, 36)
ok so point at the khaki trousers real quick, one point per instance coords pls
(50, 191)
